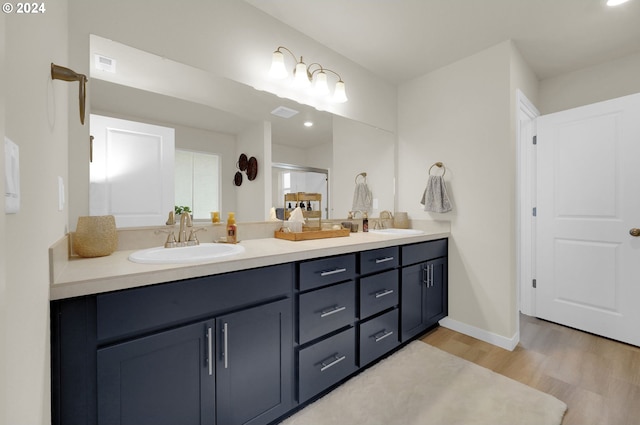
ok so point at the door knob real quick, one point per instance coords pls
(634, 232)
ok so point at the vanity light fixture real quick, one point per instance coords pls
(308, 124)
(304, 76)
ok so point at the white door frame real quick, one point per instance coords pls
(526, 115)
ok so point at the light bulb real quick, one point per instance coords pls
(321, 87)
(278, 69)
(300, 77)
(340, 95)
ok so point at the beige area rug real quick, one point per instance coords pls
(421, 385)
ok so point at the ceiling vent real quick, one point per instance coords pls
(104, 63)
(284, 112)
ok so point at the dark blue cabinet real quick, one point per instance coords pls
(235, 370)
(163, 379)
(254, 364)
(424, 288)
(241, 348)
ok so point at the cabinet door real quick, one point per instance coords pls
(435, 295)
(413, 284)
(424, 296)
(255, 364)
(163, 379)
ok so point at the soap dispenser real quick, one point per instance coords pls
(232, 228)
(365, 222)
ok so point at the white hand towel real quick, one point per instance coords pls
(435, 198)
(362, 198)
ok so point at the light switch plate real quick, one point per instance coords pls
(60, 193)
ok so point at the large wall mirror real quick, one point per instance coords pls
(225, 118)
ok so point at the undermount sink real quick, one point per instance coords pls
(406, 232)
(185, 254)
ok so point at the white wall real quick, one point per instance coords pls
(289, 154)
(589, 85)
(460, 115)
(253, 198)
(361, 148)
(37, 119)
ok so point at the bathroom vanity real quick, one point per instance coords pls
(239, 343)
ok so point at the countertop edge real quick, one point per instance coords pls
(83, 277)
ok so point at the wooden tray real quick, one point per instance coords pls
(312, 234)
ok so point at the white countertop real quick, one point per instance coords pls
(86, 276)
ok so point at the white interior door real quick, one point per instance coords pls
(132, 171)
(588, 202)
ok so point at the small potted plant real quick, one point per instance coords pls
(179, 209)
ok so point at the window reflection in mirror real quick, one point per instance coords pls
(198, 182)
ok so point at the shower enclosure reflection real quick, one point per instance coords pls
(289, 178)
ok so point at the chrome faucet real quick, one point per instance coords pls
(384, 215)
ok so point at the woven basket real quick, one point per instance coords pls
(401, 220)
(95, 236)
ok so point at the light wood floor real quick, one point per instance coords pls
(597, 378)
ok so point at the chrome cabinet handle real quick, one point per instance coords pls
(210, 350)
(383, 260)
(425, 275)
(385, 334)
(225, 351)
(332, 310)
(330, 272)
(336, 359)
(431, 277)
(383, 293)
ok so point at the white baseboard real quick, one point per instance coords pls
(481, 334)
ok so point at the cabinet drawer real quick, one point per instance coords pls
(317, 273)
(378, 292)
(424, 251)
(326, 310)
(133, 311)
(378, 336)
(326, 363)
(378, 260)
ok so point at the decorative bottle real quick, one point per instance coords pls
(232, 229)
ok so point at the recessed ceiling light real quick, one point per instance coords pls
(308, 124)
(615, 2)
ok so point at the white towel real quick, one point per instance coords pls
(435, 198)
(362, 198)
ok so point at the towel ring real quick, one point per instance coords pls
(439, 165)
(364, 176)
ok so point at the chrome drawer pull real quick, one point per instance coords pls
(383, 336)
(383, 293)
(332, 310)
(383, 260)
(225, 352)
(210, 350)
(336, 360)
(330, 272)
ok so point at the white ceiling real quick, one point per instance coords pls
(399, 40)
